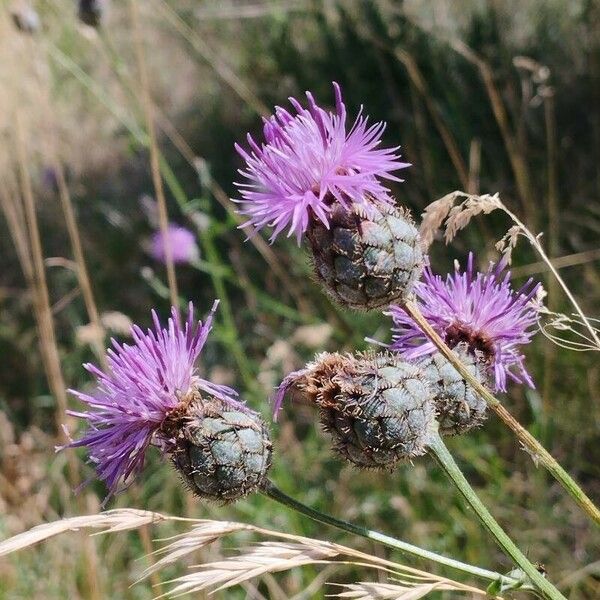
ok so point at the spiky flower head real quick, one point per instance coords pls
(148, 395)
(480, 309)
(180, 241)
(377, 408)
(310, 160)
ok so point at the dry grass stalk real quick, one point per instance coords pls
(449, 141)
(109, 521)
(71, 221)
(569, 260)
(41, 295)
(367, 590)
(458, 216)
(284, 552)
(210, 56)
(266, 557)
(154, 153)
(513, 149)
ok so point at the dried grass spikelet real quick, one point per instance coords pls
(457, 216)
(376, 407)
(277, 552)
(366, 259)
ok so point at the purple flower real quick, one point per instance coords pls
(309, 159)
(180, 240)
(481, 309)
(144, 384)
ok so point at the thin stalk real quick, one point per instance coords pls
(537, 451)
(272, 491)
(154, 154)
(438, 450)
(538, 247)
(71, 221)
(209, 249)
(48, 344)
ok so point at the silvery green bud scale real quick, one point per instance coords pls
(366, 259)
(222, 452)
(377, 408)
(459, 408)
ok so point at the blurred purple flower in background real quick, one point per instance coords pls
(307, 161)
(182, 242)
(481, 309)
(144, 384)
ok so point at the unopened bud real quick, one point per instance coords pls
(366, 260)
(222, 452)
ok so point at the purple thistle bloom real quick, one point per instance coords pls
(144, 384)
(307, 160)
(480, 309)
(180, 240)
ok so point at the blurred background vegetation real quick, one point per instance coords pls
(484, 96)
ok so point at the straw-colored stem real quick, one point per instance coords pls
(540, 250)
(41, 295)
(439, 451)
(537, 451)
(154, 154)
(515, 154)
(48, 345)
(273, 492)
(69, 216)
(553, 247)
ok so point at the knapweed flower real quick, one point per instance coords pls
(151, 394)
(180, 240)
(377, 408)
(481, 310)
(312, 175)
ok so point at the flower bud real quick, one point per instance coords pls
(377, 408)
(366, 259)
(459, 407)
(222, 452)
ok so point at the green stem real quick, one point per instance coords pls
(537, 451)
(217, 276)
(438, 449)
(273, 492)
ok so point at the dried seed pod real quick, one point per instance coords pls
(377, 408)
(222, 452)
(366, 259)
(459, 407)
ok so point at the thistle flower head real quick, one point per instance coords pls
(181, 242)
(377, 408)
(145, 390)
(309, 160)
(479, 309)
